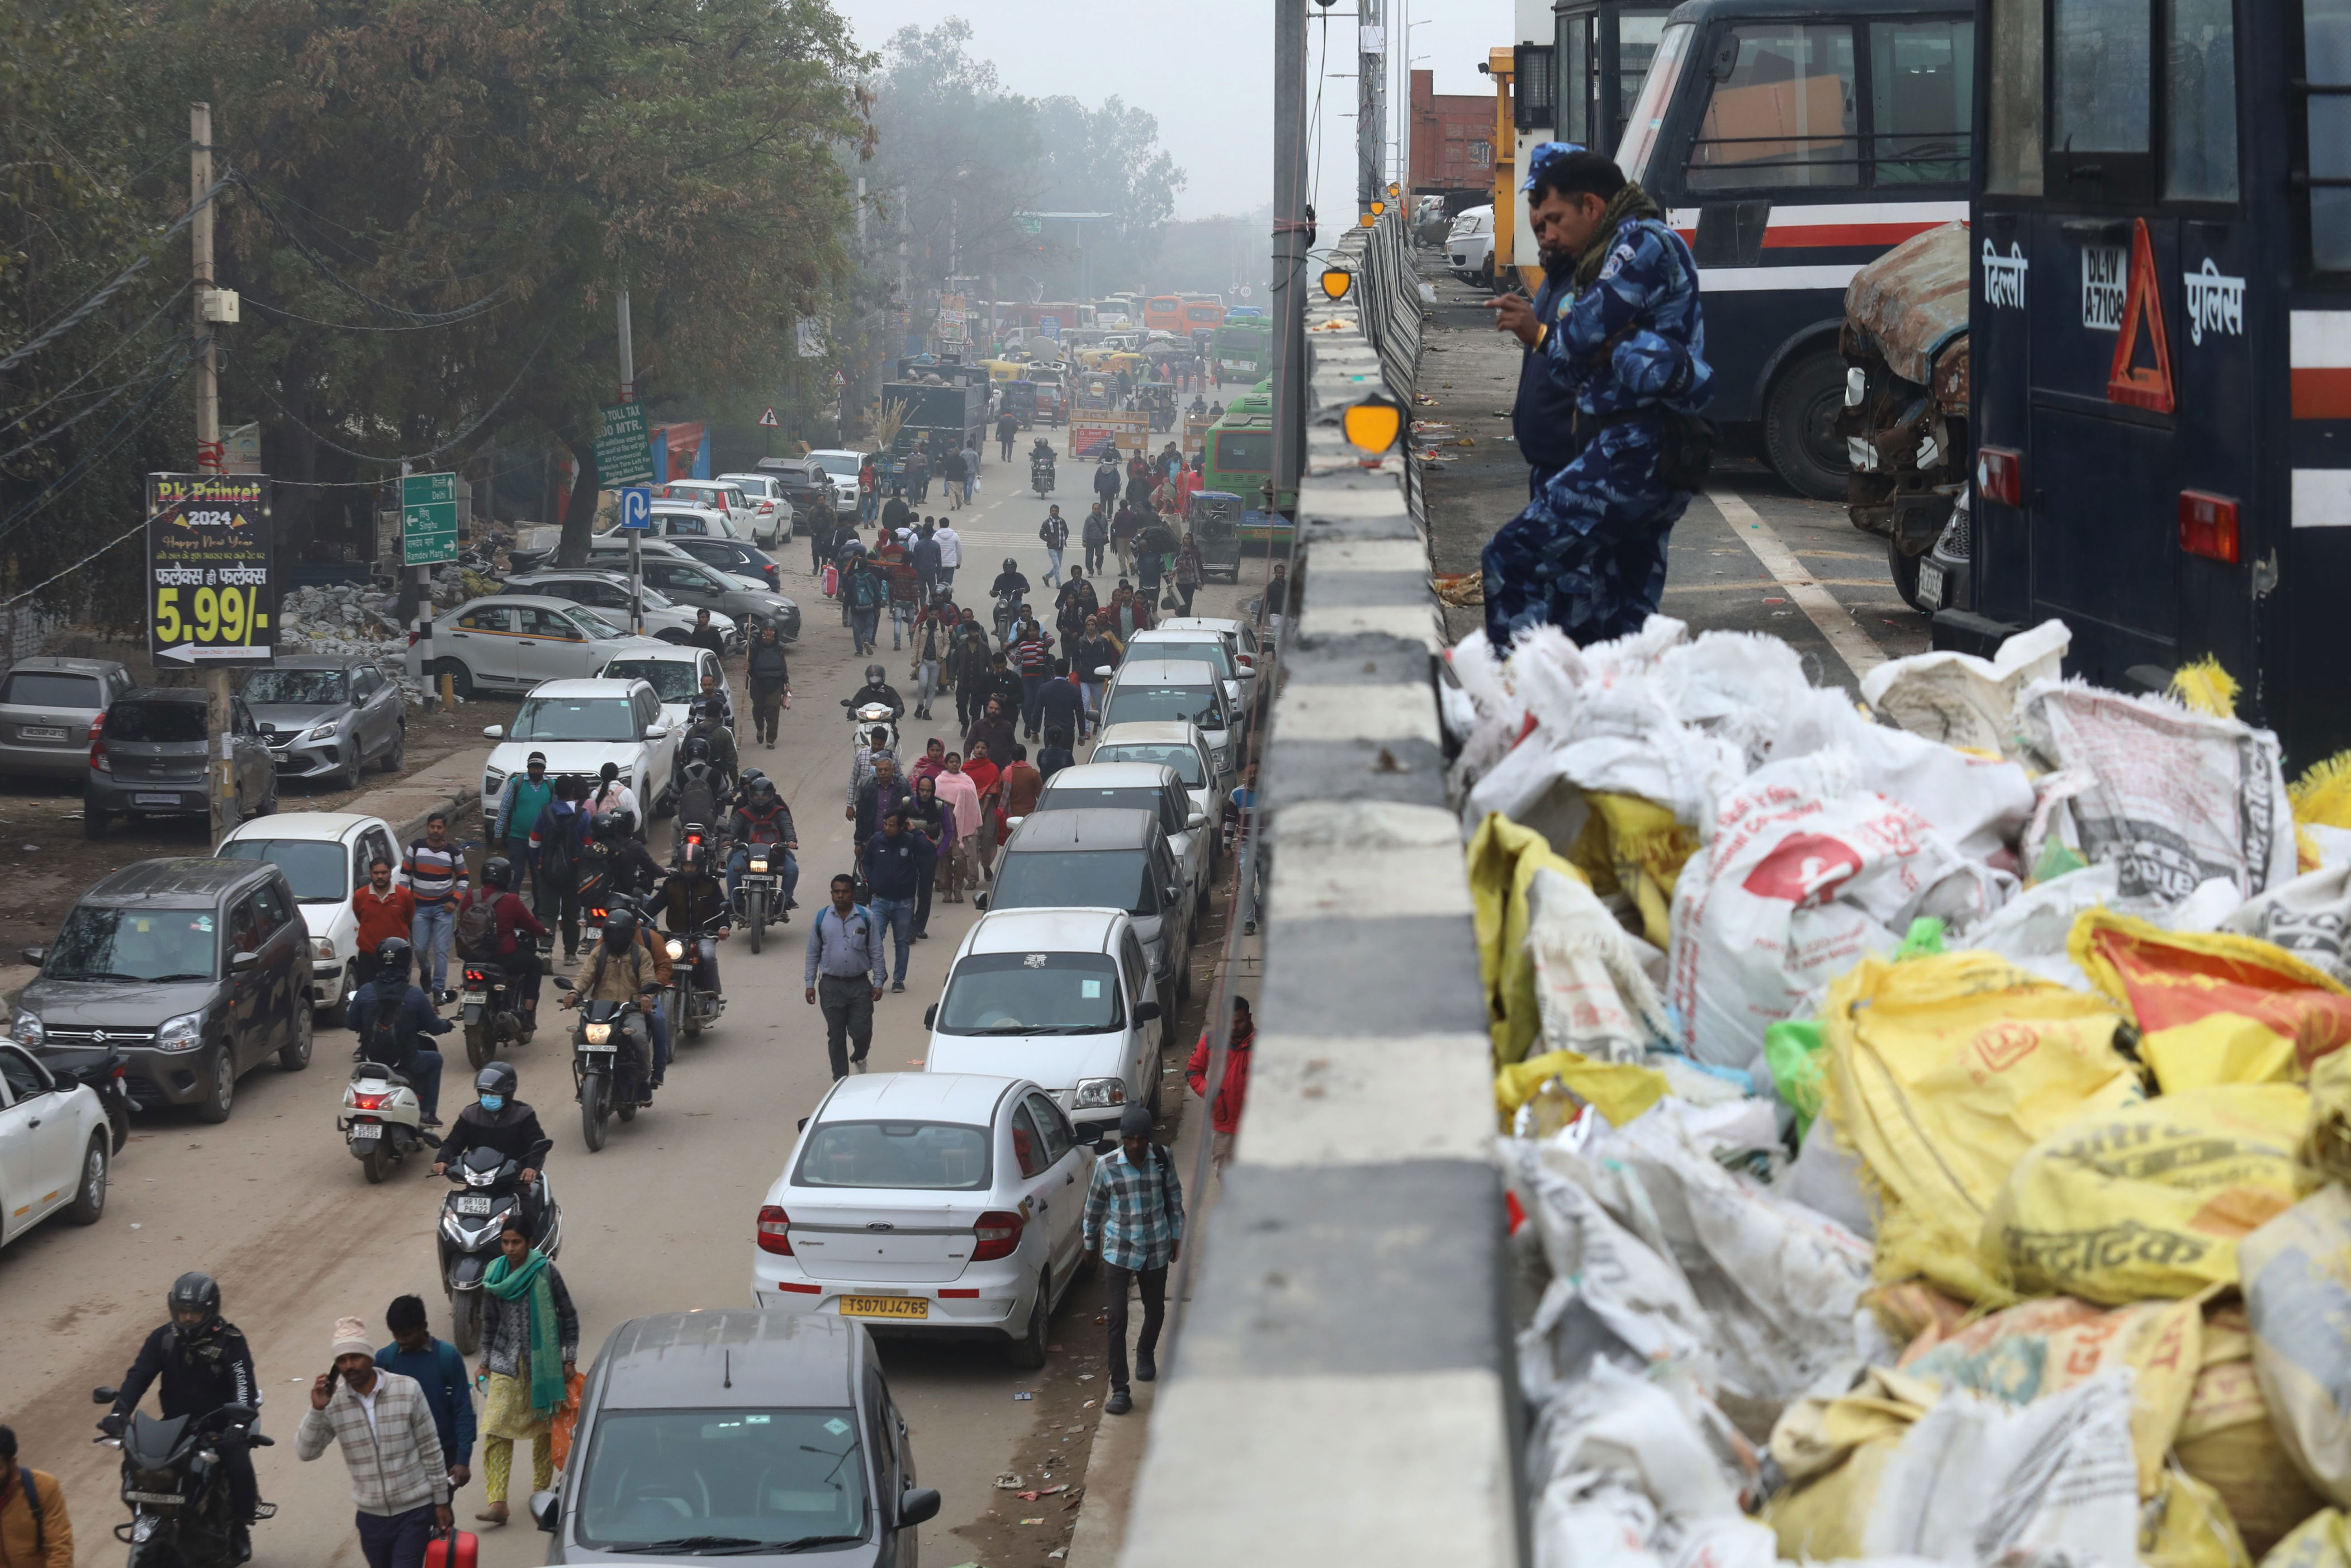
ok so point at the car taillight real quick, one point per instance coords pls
(997, 1234)
(775, 1230)
(98, 747)
(369, 1101)
(2208, 526)
(1244, 660)
(1999, 475)
(413, 635)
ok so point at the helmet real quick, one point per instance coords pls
(392, 956)
(621, 927)
(875, 674)
(196, 1290)
(498, 871)
(698, 749)
(763, 789)
(1011, 565)
(708, 706)
(606, 825)
(497, 1078)
(624, 821)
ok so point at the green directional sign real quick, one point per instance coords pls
(623, 452)
(428, 518)
(1029, 226)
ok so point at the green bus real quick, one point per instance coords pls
(1243, 350)
(1238, 460)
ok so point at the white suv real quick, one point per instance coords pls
(1470, 247)
(581, 726)
(841, 465)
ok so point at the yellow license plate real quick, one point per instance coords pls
(886, 1306)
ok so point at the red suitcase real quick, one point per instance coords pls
(458, 1549)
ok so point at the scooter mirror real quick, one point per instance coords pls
(103, 1396)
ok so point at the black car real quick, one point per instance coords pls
(196, 970)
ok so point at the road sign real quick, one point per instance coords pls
(1243, 291)
(637, 508)
(623, 453)
(768, 419)
(1033, 225)
(428, 518)
(211, 580)
(1051, 326)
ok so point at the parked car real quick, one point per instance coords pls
(1102, 859)
(719, 495)
(1153, 786)
(581, 726)
(734, 556)
(606, 591)
(801, 480)
(1239, 635)
(689, 581)
(684, 516)
(772, 513)
(1182, 746)
(513, 641)
(841, 465)
(47, 707)
(928, 1203)
(148, 754)
(56, 1148)
(1172, 690)
(1209, 647)
(1469, 245)
(675, 675)
(325, 856)
(1064, 996)
(197, 970)
(326, 716)
(749, 1436)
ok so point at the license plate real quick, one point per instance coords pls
(367, 1132)
(475, 998)
(475, 1203)
(169, 1499)
(886, 1306)
(40, 732)
(1931, 585)
(605, 1050)
(154, 799)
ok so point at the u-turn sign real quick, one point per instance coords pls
(637, 506)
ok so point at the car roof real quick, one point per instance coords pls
(619, 539)
(731, 1356)
(1044, 930)
(1113, 775)
(175, 881)
(74, 667)
(564, 573)
(838, 452)
(1202, 623)
(1094, 828)
(322, 826)
(969, 1097)
(587, 686)
(1169, 672)
(1150, 732)
(670, 653)
(672, 503)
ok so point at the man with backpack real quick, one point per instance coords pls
(392, 1018)
(35, 1529)
(866, 590)
(560, 837)
(762, 819)
(490, 926)
(845, 973)
(520, 803)
(1055, 532)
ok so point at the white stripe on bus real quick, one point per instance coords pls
(1812, 215)
(2321, 497)
(1748, 279)
(2321, 339)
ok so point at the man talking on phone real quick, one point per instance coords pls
(400, 1480)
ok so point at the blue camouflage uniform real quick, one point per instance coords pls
(1543, 420)
(1588, 553)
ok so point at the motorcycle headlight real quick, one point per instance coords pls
(676, 948)
(760, 864)
(323, 946)
(1096, 1093)
(597, 1033)
(29, 1030)
(183, 1033)
(327, 730)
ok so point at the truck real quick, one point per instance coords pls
(954, 409)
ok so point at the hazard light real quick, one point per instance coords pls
(1999, 475)
(2208, 526)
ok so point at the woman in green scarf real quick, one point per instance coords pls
(531, 1339)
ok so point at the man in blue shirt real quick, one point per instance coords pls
(440, 1371)
(1135, 1219)
(897, 862)
(392, 1018)
(1621, 352)
(844, 974)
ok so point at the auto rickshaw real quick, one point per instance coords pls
(1214, 518)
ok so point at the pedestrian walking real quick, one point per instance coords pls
(918, 476)
(400, 1477)
(954, 471)
(1019, 785)
(973, 663)
(527, 795)
(1189, 569)
(899, 863)
(1135, 1223)
(770, 678)
(36, 1532)
(983, 772)
(1006, 428)
(1124, 527)
(844, 975)
(613, 795)
(820, 526)
(950, 554)
(560, 839)
(1096, 653)
(1107, 480)
(928, 817)
(1060, 705)
(1232, 1089)
(530, 1343)
(1055, 532)
(970, 471)
(959, 796)
(1074, 606)
(905, 594)
(1055, 754)
(384, 911)
(440, 1372)
(1032, 655)
(924, 554)
(869, 487)
(1096, 537)
(1240, 839)
(867, 591)
(895, 513)
(434, 869)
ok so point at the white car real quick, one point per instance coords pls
(1470, 247)
(1148, 787)
(606, 591)
(929, 1203)
(1172, 690)
(55, 1147)
(841, 465)
(682, 518)
(722, 496)
(771, 507)
(1212, 647)
(1181, 745)
(325, 856)
(581, 726)
(512, 642)
(675, 675)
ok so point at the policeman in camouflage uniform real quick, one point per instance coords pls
(1616, 354)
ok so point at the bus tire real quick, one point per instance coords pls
(1800, 416)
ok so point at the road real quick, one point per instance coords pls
(660, 1220)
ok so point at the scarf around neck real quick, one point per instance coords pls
(1631, 202)
(509, 1283)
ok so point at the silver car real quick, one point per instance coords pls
(47, 708)
(513, 641)
(326, 718)
(689, 581)
(151, 754)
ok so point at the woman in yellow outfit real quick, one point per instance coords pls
(530, 1340)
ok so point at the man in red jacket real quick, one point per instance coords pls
(1225, 1113)
(512, 921)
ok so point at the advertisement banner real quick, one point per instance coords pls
(211, 580)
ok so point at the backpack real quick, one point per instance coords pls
(382, 1042)
(477, 928)
(866, 590)
(558, 857)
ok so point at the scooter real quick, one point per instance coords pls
(488, 1187)
(180, 1506)
(872, 716)
(611, 1064)
(382, 1121)
(493, 1011)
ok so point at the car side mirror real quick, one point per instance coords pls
(980, 902)
(36, 956)
(917, 1505)
(1195, 821)
(656, 730)
(495, 732)
(1012, 822)
(1104, 672)
(269, 729)
(1104, 1146)
(931, 1015)
(240, 963)
(546, 1509)
(102, 1396)
(802, 1125)
(1145, 1011)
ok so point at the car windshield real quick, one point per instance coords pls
(673, 680)
(721, 1481)
(314, 688)
(1146, 701)
(156, 722)
(927, 1156)
(1174, 754)
(101, 942)
(1032, 993)
(47, 688)
(844, 464)
(1076, 879)
(597, 625)
(1208, 651)
(574, 718)
(318, 869)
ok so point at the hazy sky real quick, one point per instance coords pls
(1205, 67)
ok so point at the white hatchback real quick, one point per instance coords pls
(55, 1147)
(928, 1203)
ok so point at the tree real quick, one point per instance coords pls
(1108, 159)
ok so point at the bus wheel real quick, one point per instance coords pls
(1800, 425)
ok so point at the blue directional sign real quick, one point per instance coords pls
(1051, 326)
(637, 508)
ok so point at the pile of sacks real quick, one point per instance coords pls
(1927, 1121)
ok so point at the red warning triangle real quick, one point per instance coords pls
(2142, 387)
(768, 418)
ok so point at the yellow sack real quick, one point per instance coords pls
(1503, 859)
(2186, 1525)
(1617, 1090)
(1638, 848)
(1832, 1452)
(2227, 1440)
(1941, 1071)
(2322, 1541)
(2149, 1200)
(2046, 1346)
(2328, 1146)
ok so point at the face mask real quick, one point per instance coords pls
(493, 1101)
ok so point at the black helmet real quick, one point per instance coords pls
(197, 1290)
(391, 958)
(497, 1078)
(621, 927)
(707, 705)
(498, 871)
(606, 825)
(1011, 565)
(698, 749)
(624, 821)
(763, 789)
(875, 674)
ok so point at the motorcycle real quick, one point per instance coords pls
(698, 849)
(760, 895)
(611, 1064)
(1040, 474)
(489, 1187)
(493, 1011)
(382, 1121)
(693, 906)
(181, 1512)
(1007, 615)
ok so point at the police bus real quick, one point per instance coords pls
(1790, 144)
(2161, 345)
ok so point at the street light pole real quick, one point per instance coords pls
(219, 721)
(629, 394)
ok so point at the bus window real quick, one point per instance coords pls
(2199, 103)
(1922, 97)
(1784, 117)
(2326, 63)
(2101, 53)
(1656, 91)
(1242, 452)
(2013, 165)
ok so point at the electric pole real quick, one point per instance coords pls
(1371, 104)
(629, 394)
(218, 712)
(1291, 238)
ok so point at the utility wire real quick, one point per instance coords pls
(104, 445)
(456, 440)
(100, 401)
(320, 264)
(114, 285)
(349, 326)
(92, 368)
(132, 532)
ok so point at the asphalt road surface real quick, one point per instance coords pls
(661, 1220)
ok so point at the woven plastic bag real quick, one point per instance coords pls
(2298, 1301)
(2227, 1439)
(2322, 1541)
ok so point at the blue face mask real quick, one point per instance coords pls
(493, 1101)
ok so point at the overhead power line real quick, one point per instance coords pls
(114, 285)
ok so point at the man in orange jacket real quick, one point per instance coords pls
(35, 1531)
(383, 911)
(1225, 1113)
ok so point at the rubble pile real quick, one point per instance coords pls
(1926, 1121)
(358, 621)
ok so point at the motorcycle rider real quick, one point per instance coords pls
(392, 1017)
(1040, 455)
(707, 722)
(508, 920)
(623, 970)
(203, 1364)
(1007, 589)
(498, 1120)
(617, 856)
(877, 689)
(762, 818)
(698, 794)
